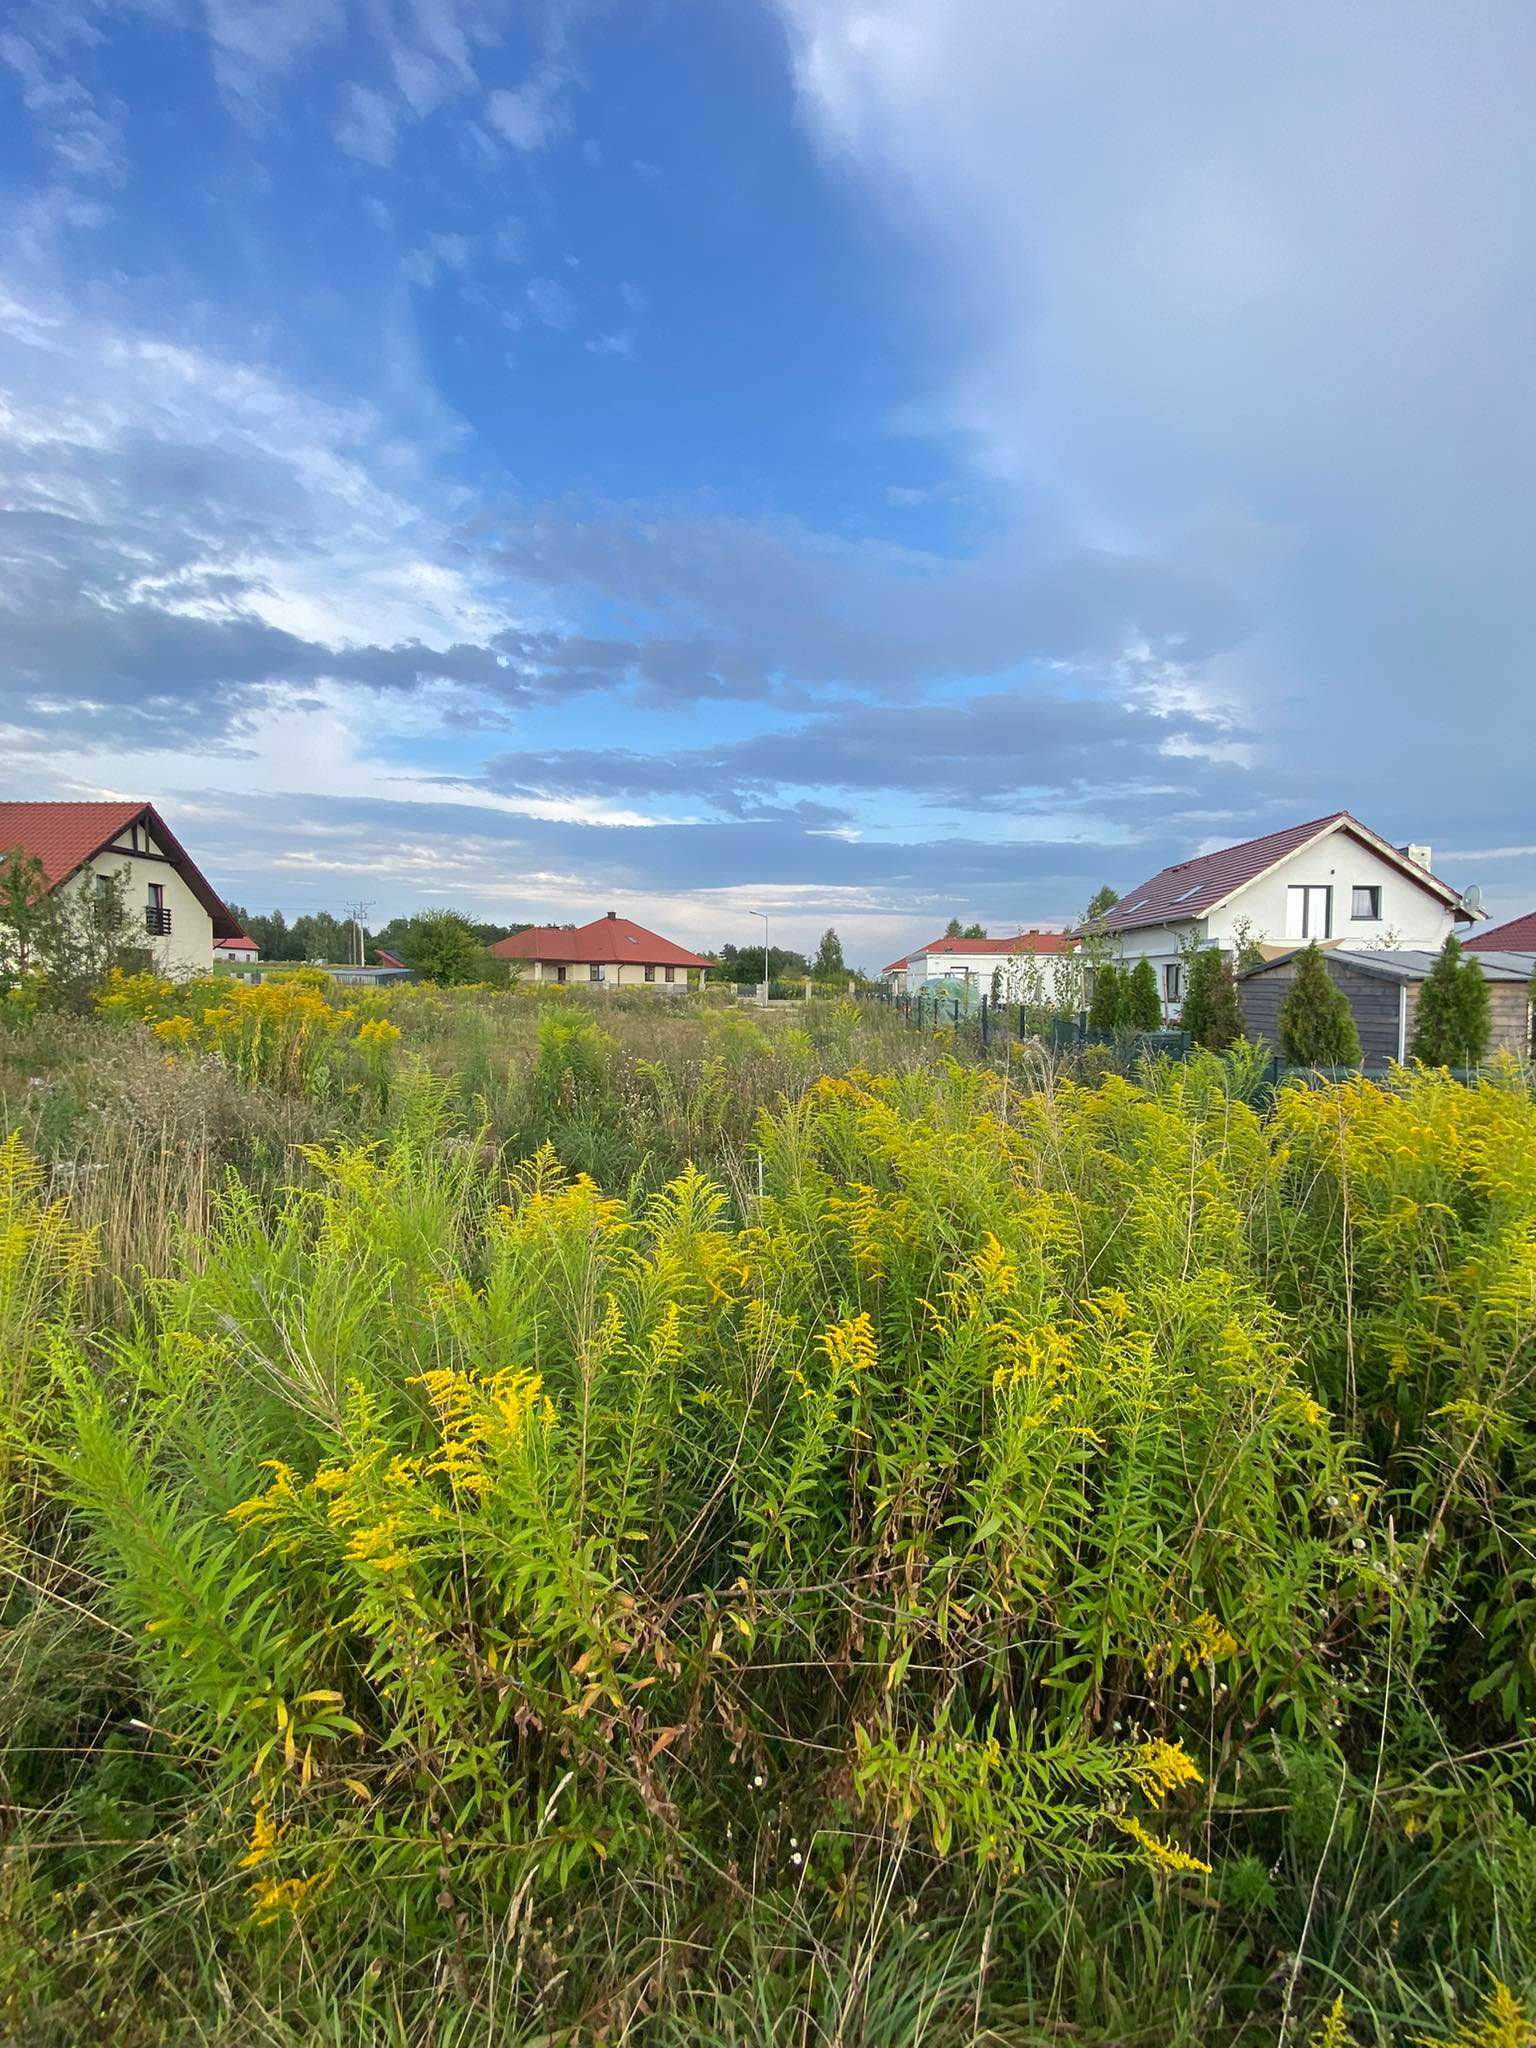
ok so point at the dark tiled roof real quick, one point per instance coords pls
(1189, 888)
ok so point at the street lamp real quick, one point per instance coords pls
(764, 916)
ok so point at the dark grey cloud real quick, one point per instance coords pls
(1001, 750)
(737, 607)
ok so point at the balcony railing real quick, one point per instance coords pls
(157, 922)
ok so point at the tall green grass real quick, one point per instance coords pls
(741, 1538)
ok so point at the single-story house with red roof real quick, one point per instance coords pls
(610, 952)
(236, 947)
(1332, 879)
(1020, 967)
(78, 844)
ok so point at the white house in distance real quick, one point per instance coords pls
(1333, 880)
(611, 951)
(179, 914)
(974, 962)
(237, 947)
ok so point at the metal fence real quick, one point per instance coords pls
(990, 1026)
(992, 1022)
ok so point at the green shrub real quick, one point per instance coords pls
(1142, 1005)
(1104, 1005)
(1453, 1020)
(1211, 1012)
(1316, 1025)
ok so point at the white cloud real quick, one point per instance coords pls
(551, 302)
(1248, 289)
(366, 125)
(620, 344)
(257, 43)
(534, 114)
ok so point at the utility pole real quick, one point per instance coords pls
(764, 916)
(356, 912)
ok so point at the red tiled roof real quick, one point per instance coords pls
(238, 939)
(1189, 888)
(602, 942)
(385, 958)
(1518, 936)
(895, 966)
(1022, 942)
(64, 836)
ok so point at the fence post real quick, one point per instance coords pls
(983, 1021)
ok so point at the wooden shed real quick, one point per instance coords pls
(1383, 993)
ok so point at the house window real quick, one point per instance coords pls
(1309, 911)
(157, 919)
(1173, 981)
(594, 972)
(670, 973)
(1366, 904)
(650, 974)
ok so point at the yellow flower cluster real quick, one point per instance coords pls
(1202, 1640)
(1159, 1767)
(276, 1033)
(850, 1346)
(1161, 1854)
(479, 1416)
(272, 1898)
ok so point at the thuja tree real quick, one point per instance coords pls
(1104, 1004)
(1142, 1006)
(1453, 1023)
(1316, 1024)
(1212, 1014)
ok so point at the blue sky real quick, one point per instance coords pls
(858, 459)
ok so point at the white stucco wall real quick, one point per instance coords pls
(1411, 916)
(189, 947)
(923, 968)
(616, 974)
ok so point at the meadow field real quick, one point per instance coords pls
(556, 1521)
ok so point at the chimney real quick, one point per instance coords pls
(1419, 855)
(614, 913)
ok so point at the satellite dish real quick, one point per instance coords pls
(1473, 899)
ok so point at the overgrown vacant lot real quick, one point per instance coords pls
(536, 1523)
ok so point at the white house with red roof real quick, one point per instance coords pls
(172, 902)
(610, 952)
(236, 947)
(981, 965)
(1332, 879)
